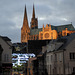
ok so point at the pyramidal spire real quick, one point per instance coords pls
(33, 16)
(25, 21)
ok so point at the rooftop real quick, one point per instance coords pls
(5, 38)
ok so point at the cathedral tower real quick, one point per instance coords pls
(25, 30)
(34, 21)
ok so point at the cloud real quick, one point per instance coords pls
(42, 18)
(55, 12)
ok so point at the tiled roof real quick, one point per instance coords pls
(63, 42)
(6, 39)
(66, 40)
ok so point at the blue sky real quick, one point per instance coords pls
(54, 12)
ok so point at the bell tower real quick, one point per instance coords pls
(34, 21)
(25, 30)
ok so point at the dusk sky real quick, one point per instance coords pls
(54, 12)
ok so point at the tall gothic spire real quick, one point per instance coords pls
(25, 20)
(34, 21)
(33, 16)
(25, 30)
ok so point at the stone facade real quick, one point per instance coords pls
(47, 33)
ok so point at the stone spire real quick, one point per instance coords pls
(33, 16)
(34, 21)
(25, 20)
(25, 30)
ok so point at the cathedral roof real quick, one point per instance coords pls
(35, 31)
(62, 27)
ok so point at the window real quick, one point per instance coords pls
(47, 35)
(60, 57)
(52, 35)
(34, 37)
(72, 55)
(47, 59)
(64, 33)
(51, 58)
(41, 35)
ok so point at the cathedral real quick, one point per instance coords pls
(45, 33)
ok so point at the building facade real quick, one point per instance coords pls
(56, 58)
(52, 58)
(60, 56)
(46, 33)
(6, 44)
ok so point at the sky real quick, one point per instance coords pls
(54, 12)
